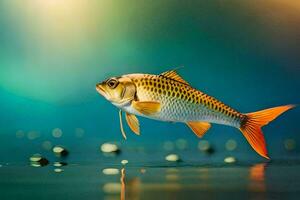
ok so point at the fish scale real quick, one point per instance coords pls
(182, 103)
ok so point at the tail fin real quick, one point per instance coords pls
(251, 127)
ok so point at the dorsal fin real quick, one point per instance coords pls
(172, 74)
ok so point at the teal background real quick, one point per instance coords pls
(52, 53)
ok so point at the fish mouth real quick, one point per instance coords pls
(100, 90)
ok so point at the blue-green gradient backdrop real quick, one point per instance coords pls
(53, 52)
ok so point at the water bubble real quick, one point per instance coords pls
(124, 162)
(57, 132)
(32, 135)
(60, 151)
(20, 134)
(181, 144)
(290, 144)
(79, 132)
(37, 160)
(230, 159)
(110, 171)
(231, 145)
(172, 158)
(47, 145)
(205, 147)
(168, 146)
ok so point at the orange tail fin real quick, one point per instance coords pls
(251, 127)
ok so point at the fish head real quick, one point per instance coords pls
(117, 90)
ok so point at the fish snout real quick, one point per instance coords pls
(100, 89)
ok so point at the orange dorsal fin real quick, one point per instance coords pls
(199, 128)
(146, 107)
(133, 123)
(251, 127)
(172, 74)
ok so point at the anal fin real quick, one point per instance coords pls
(133, 123)
(199, 128)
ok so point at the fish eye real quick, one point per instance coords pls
(112, 83)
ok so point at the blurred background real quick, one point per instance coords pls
(53, 52)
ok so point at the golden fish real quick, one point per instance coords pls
(168, 97)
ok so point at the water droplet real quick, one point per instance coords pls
(57, 132)
(110, 171)
(230, 159)
(172, 158)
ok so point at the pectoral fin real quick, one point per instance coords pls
(133, 123)
(199, 128)
(147, 107)
(121, 125)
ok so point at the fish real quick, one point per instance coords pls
(170, 98)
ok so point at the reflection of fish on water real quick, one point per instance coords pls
(168, 97)
(123, 186)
